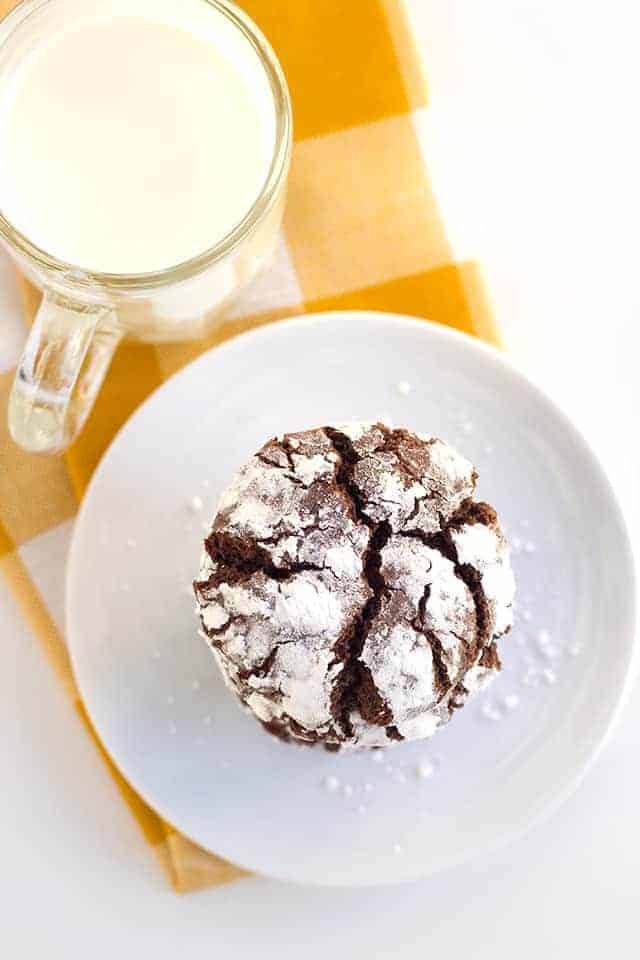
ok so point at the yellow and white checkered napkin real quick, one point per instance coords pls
(361, 231)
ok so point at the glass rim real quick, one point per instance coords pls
(90, 279)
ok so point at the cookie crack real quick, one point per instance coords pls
(240, 560)
(348, 458)
(355, 689)
(419, 624)
(261, 669)
(290, 473)
(468, 512)
(287, 534)
(417, 503)
(286, 449)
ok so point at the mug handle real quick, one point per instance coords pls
(67, 355)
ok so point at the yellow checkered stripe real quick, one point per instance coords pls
(362, 231)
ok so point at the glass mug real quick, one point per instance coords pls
(85, 314)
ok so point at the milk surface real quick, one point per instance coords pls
(129, 144)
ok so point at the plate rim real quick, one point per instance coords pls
(626, 557)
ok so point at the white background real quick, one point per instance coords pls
(531, 144)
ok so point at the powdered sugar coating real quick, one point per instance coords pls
(349, 595)
(486, 549)
(276, 645)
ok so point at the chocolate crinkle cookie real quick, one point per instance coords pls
(351, 590)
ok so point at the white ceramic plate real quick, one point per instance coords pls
(153, 690)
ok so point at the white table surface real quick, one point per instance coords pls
(533, 153)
